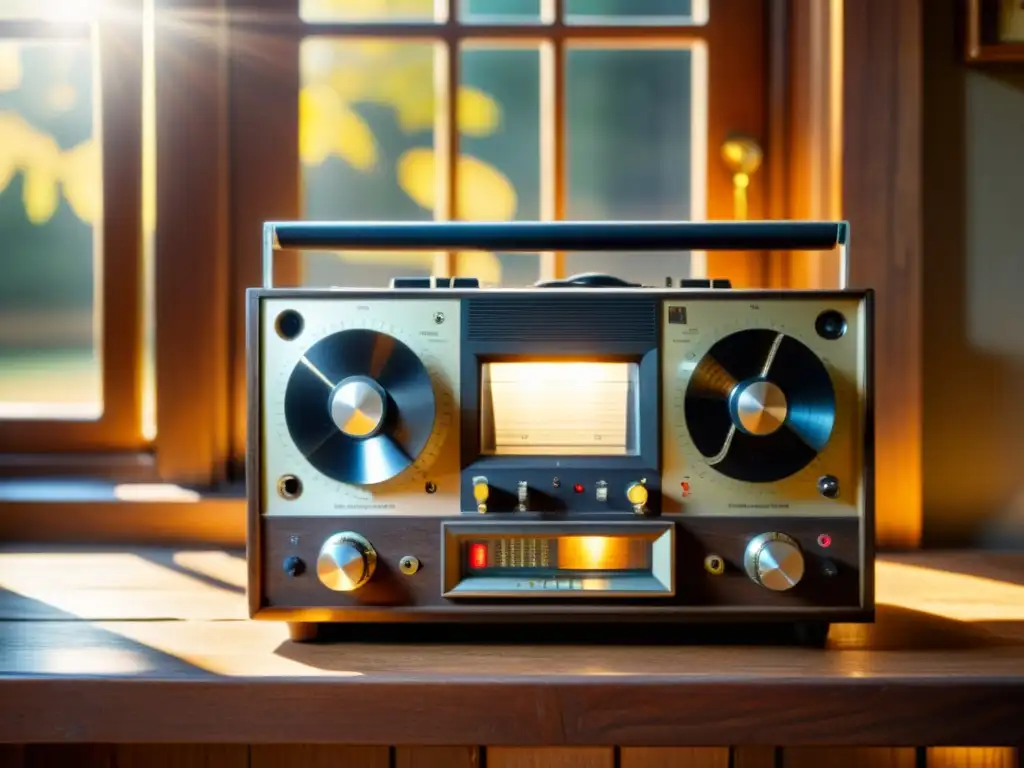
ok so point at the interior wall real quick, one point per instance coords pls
(973, 168)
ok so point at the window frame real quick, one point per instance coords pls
(117, 42)
(281, 31)
(878, 55)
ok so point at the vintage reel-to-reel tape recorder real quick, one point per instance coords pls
(580, 451)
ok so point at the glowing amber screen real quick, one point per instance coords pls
(602, 553)
(562, 553)
(551, 409)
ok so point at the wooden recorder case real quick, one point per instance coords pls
(440, 453)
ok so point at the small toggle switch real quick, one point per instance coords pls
(601, 490)
(481, 492)
(523, 494)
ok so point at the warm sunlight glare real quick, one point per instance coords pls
(154, 492)
(955, 596)
(93, 660)
(219, 566)
(92, 586)
(69, 10)
(202, 590)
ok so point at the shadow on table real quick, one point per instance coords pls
(896, 629)
(57, 643)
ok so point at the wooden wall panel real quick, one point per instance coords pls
(317, 756)
(974, 757)
(131, 756)
(437, 757)
(754, 757)
(835, 757)
(180, 756)
(60, 755)
(882, 132)
(674, 757)
(551, 757)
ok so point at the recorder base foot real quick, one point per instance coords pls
(302, 632)
(811, 634)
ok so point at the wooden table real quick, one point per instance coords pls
(146, 646)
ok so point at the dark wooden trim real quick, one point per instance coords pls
(123, 467)
(192, 239)
(210, 521)
(978, 47)
(117, 40)
(628, 710)
(263, 136)
(882, 199)
(737, 43)
(776, 170)
(803, 160)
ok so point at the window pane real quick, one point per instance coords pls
(498, 175)
(636, 11)
(369, 10)
(500, 11)
(56, 10)
(630, 147)
(50, 201)
(366, 133)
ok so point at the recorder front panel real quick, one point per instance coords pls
(704, 577)
(540, 453)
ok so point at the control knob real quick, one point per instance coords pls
(774, 560)
(346, 562)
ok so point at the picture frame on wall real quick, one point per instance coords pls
(994, 31)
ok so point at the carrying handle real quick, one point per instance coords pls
(537, 236)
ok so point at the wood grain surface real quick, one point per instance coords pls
(150, 646)
(341, 756)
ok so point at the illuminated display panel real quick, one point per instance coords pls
(559, 409)
(563, 553)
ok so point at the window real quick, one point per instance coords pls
(70, 301)
(487, 110)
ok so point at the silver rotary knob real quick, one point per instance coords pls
(759, 407)
(774, 560)
(358, 405)
(346, 562)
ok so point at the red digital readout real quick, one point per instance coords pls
(478, 555)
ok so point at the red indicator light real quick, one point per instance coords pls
(824, 541)
(578, 488)
(478, 555)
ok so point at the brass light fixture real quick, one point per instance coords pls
(742, 156)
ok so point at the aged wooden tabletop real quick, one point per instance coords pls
(153, 645)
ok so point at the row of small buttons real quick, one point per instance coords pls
(435, 282)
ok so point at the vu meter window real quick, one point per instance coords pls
(563, 553)
(559, 409)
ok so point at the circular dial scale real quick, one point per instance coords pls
(758, 407)
(362, 408)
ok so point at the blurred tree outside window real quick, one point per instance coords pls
(368, 146)
(50, 202)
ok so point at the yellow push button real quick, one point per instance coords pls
(481, 491)
(637, 494)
